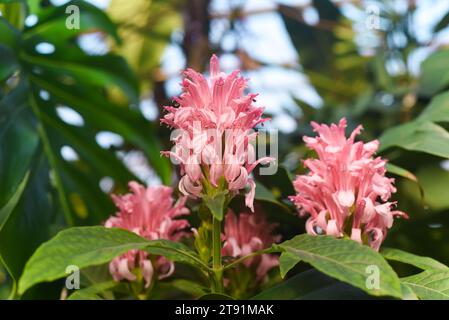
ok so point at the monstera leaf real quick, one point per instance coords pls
(56, 98)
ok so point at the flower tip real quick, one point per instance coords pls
(214, 65)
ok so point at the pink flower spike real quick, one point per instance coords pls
(214, 122)
(247, 233)
(346, 184)
(152, 214)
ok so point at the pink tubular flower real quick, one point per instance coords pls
(248, 233)
(214, 122)
(150, 213)
(346, 191)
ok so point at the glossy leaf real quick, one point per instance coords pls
(435, 73)
(421, 136)
(429, 285)
(310, 284)
(345, 260)
(424, 263)
(89, 246)
(93, 292)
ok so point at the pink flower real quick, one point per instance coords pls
(213, 140)
(346, 191)
(150, 213)
(248, 233)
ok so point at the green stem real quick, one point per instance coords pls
(240, 260)
(53, 162)
(217, 267)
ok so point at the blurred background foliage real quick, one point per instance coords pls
(79, 107)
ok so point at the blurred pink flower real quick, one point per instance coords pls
(213, 140)
(346, 190)
(150, 213)
(247, 233)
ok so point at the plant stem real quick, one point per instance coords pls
(256, 253)
(216, 257)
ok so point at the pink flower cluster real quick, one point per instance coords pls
(247, 233)
(346, 191)
(150, 213)
(213, 140)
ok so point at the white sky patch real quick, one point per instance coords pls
(285, 123)
(106, 139)
(45, 48)
(59, 2)
(266, 39)
(93, 44)
(137, 163)
(173, 60)
(445, 165)
(69, 154)
(44, 95)
(311, 15)
(106, 184)
(31, 20)
(149, 109)
(427, 15)
(70, 116)
(173, 86)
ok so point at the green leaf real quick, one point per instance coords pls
(216, 204)
(108, 71)
(52, 22)
(438, 109)
(18, 142)
(424, 263)
(442, 23)
(265, 195)
(9, 39)
(104, 115)
(216, 296)
(310, 284)
(434, 180)
(429, 285)
(28, 225)
(92, 292)
(401, 172)
(435, 73)
(12, 203)
(407, 293)
(89, 246)
(345, 260)
(189, 287)
(421, 136)
(287, 261)
(8, 62)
